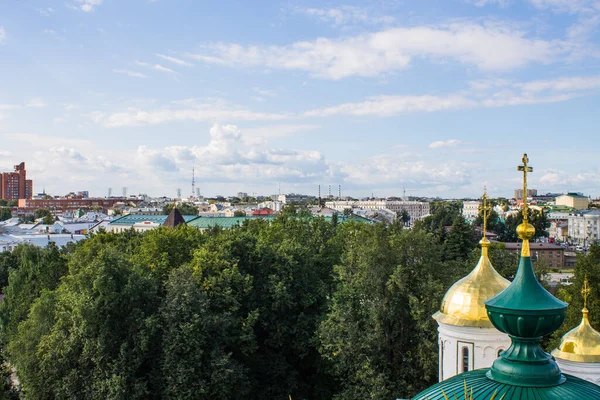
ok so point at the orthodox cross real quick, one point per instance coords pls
(585, 292)
(525, 169)
(485, 208)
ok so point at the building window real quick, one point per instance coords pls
(465, 359)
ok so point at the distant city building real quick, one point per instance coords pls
(583, 227)
(470, 210)
(548, 197)
(518, 195)
(552, 254)
(292, 198)
(415, 209)
(15, 185)
(241, 195)
(575, 200)
(63, 204)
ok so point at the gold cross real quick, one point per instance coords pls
(585, 291)
(525, 168)
(485, 209)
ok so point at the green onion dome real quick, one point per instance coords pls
(480, 387)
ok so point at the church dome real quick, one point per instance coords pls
(464, 303)
(582, 343)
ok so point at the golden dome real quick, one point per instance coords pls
(580, 344)
(463, 304)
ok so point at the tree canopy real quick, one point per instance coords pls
(294, 306)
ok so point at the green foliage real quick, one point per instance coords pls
(48, 220)
(8, 262)
(41, 213)
(5, 213)
(12, 203)
(3, 203)
(378, 335)
(443, 213)
(460, 240)
(37, 269)
(508, 231)
(184, 209)
(239, 213)
(7, 390)
(293, 306)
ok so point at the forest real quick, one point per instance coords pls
(298, 308)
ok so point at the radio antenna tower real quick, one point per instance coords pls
(193, 180)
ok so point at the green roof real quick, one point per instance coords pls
(229, 222)
(132, 219)
(484, 388)
(576, 195)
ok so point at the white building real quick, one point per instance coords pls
(467, 339)
(416, 209)
(470, 210)
(274, 205)
(583, 226)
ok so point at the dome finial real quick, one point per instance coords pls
(585, 292)
(484, 209)
(526, 231)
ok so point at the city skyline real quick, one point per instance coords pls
(433, 97)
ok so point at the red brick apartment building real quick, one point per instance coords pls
(15, 185)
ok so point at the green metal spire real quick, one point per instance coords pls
(526, 312)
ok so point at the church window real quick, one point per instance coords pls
(465, 359)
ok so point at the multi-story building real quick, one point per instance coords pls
(552, 254)
(15, 185)
(62, 204)
(415, 209)
(575, 200)
(583, 227)
(470, 210)
(518, 195)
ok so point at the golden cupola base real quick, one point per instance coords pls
(464, 303)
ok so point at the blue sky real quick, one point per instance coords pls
(438, 97)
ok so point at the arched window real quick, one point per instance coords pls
(465, 359)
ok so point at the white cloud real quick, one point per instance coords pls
(482, 3)
(2, 34)
(193, 111)
(569, 181)
(569, 6)
(127, 72)
(36, 103)
(280, 130)
(489, 47)
(385, 106)
(8, 106)
(175, 60)
(231, 156)
(445, 143)
(397, 170)
(156, 67)
(45, 12)
(491, 93)
(344, 15)
(87, 5)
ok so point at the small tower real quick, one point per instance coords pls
(579, 350)
(174, 219)
(467, 339)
